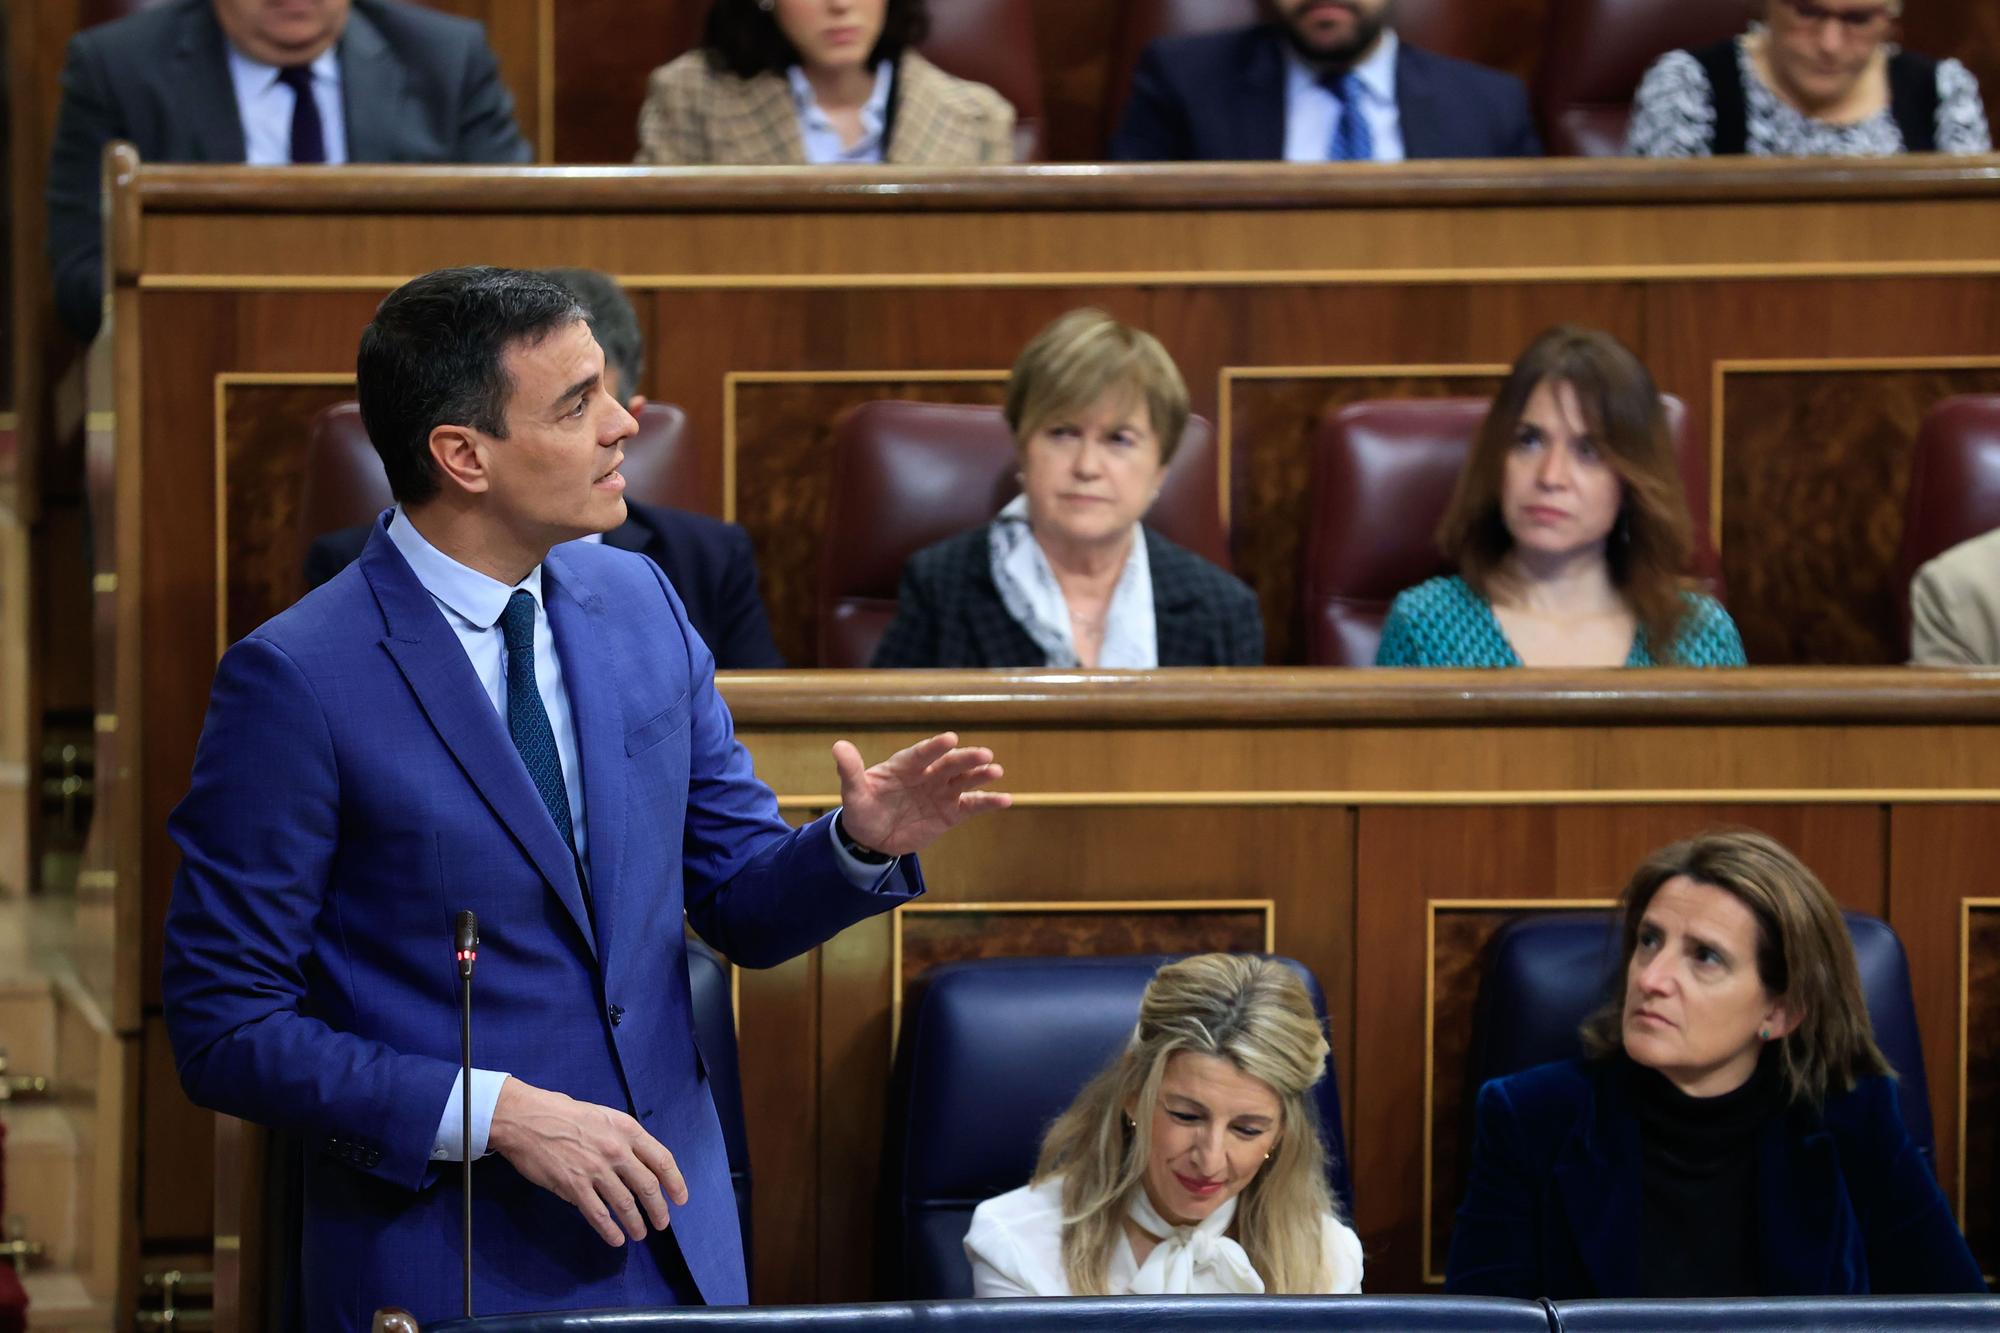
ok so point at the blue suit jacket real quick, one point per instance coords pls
(1220, 97)
(354, 788)
(1845, 1204)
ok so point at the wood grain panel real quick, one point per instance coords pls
(176, 1153)
(1815, 475)
(1980, 1212)
(954, 935)
(1940, 856)
(1407, 857)
(264, 436)
(784, 466)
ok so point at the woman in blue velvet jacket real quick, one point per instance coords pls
(1735, 1130)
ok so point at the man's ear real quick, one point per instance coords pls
(636, 404)
(460, 457)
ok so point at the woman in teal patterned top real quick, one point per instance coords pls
(1569, 528)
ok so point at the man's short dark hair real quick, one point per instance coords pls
(431, 357)
(743, 38)
(613, 322)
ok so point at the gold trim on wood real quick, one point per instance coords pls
(1225, 403)
(734, 378)
(1499, 796)
(104, 583)
(224, 382)
(105, 723)
(1834, 365)
(1432, 907)
(1391, 277)
(1268, 906)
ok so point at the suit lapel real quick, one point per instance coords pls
(1597, 1174)
(204, 92)
(1415, 108)
(576, 618)
(434, 663)
(371, 82)
(1260, 111)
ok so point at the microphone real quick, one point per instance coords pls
(466, 946)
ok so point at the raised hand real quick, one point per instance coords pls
(603, 1161)
(903, 803)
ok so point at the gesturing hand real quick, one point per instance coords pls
(601, 1160)
(903, 803)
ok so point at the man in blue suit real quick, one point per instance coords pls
(464, 720)
(1326, 80)
(711, 563)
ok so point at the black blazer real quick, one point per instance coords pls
(949, 614)
(1220, 97)
(419, 86)
(1845, 1204)
(710, 564)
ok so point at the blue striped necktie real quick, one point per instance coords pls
(527, 720)
(1352, 139)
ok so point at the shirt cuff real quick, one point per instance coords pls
(858, 872)
(485, 1095)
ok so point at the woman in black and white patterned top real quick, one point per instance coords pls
(1818, 78)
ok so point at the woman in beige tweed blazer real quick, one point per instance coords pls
(731, 101)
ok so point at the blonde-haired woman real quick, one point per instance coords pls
(1066, 574)
(1735, 1130)
(1192, 1164)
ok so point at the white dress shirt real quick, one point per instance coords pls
(1312, 114)
(266, 106)
(1015, 1247)
(471, 603)
(822, 141)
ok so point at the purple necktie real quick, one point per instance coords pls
(308, 141)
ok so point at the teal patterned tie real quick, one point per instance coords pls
(527, 720)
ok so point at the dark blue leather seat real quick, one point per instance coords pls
(1191, 1314)
(715, 1038)
(1545, 973)
(991, 1052)
(1845, 1314)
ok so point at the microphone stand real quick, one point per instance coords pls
(468, 952)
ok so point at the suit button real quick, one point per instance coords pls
(617, 1015)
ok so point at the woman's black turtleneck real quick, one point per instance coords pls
(1698, 1226)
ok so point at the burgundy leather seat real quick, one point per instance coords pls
(1597, 51)
(1954, 486)
(1382, 476)
(993, 42)
(345, 484)
(906, 475)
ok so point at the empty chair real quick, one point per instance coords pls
(1597, 51)
(1845, 1314)
(1382, 475)
(991, 1052)
(906, 475)
(993, 42)
(1954, 486)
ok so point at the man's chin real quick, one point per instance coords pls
(1343, 49)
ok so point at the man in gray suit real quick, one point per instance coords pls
(268, 82)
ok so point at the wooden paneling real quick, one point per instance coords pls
(1980, 1214)
(1815, 473)
(175, 1153)
(264, 461)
